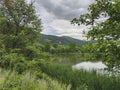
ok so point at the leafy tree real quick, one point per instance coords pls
(47, 45)
(72, 46)
(55, 45)
(19, 24)
(107, 32)
(19, 31)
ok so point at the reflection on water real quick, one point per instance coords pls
(90, 66)
(66, 58)
(77, 63)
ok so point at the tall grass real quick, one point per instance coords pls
(80, 79)
(13, 81)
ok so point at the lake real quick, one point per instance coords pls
(88, 66)
(77, 63)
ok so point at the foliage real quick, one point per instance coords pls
(19, 24)
(63, 40)
(55, 48)
(106, 32)
(19, 30)
(20, 51)
(27, 81)
(80, 79)
(14, 61)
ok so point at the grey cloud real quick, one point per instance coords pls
(56, 16)
(65, 9)
(77, 3)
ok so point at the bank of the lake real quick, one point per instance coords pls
(81, 79)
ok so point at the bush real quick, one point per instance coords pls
(13, 61)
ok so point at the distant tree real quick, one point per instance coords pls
(107, 32)
(47, 45)
(72, 46)
(55, 45)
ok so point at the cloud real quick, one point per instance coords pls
(65, 9)
(61, 27)
(57, 14)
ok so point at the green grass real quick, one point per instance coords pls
(13, 81)
(80, 79)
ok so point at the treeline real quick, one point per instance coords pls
(57, 48)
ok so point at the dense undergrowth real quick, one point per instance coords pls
(49, 72)
(28, 81)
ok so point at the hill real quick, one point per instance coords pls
(64, 40)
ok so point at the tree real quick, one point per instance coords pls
(72, 46)
(47, 45)
(19, 24)
(107, 32)
(19, 32)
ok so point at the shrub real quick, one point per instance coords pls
(13, 61)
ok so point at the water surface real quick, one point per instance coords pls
(90, 66)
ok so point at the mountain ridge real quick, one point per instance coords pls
(64, 40)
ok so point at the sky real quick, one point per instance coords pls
(57, 14)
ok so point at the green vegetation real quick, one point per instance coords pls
(63, 40)
(80, 79)
(27, 81)
(107, 32)
(25, 62)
